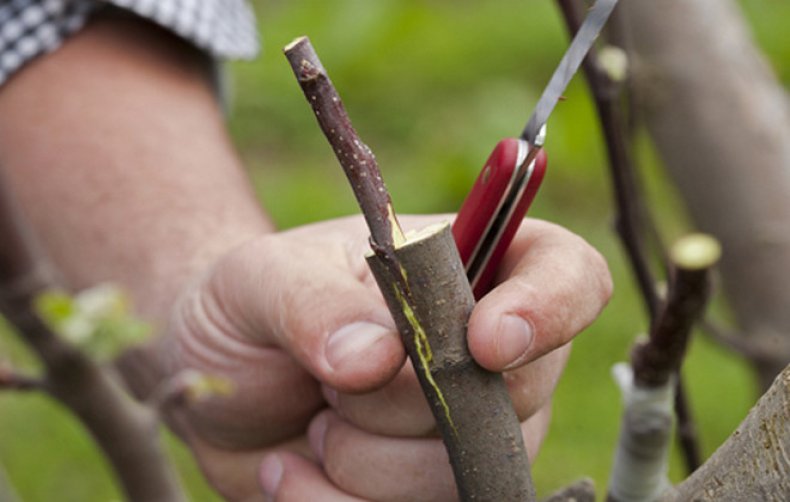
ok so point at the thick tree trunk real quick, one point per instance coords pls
(754, 463)
(720, 122)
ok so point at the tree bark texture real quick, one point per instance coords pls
(754, 463)
(721, 123)
(471, 405)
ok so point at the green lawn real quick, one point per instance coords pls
(431, 86)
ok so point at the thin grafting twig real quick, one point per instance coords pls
(357, 159)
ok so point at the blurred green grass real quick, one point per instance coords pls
(430, 86)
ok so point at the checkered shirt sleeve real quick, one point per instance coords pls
(28, 28)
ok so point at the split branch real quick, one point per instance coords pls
(424, 284)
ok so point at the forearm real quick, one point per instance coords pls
(115, 149)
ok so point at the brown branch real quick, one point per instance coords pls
(657, 360)
(426, 290)
(355, 157)
(471, 405)
(686, 428)
(124, 429)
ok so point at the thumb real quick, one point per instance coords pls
(314, 299)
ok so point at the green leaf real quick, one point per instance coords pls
(98, 320)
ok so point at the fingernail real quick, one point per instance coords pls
(330, 395)
(271, 473)
(515, 340)
(352, 342)
(315, 435)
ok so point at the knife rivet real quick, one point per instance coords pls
(485, 174)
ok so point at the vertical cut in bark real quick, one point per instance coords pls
(471, 405)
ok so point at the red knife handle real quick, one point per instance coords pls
(480, 207)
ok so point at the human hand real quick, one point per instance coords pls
(287, 311)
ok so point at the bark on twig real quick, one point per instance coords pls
(424, 284)
(125, 430)
(357, 159)
(657, 360)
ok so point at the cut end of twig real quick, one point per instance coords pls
(416, 236)
(696, 252)
(296, 41)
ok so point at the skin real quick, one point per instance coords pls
(133, 179)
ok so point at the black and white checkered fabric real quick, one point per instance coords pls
(28, 28)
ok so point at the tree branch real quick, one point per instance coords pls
(640, 467)
(124, 429)
(425, 287)
(355, 157)
(582, 490)
(657, 360)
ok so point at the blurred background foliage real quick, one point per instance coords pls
(431, 86)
